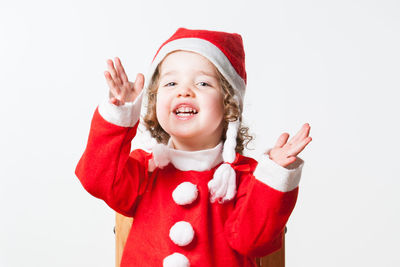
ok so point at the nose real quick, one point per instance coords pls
(186, 91)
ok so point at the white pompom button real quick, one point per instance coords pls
(176, 260)
(185, 193)
(181, 233)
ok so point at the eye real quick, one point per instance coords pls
(170, 84)
(204, 84)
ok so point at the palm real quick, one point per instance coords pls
(284, 153)
(121, 89)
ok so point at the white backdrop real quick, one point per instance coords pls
(333, 64)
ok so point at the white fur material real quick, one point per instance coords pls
(160, 155)
(209, 51)
(229, 153)
(126, 115)
(185, 193)
(181, 233)
(274, 175)
(176, 260)
(201, 160)
(223, 184)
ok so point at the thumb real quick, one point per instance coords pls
(139, 83)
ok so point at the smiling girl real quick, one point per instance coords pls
(195, 199)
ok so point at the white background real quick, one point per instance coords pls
(333, 64)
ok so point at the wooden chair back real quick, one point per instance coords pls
(123, 225)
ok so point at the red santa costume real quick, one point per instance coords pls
(177, 221)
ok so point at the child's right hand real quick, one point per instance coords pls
(121, 89)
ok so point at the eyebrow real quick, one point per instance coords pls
(198, 72)
(168, 73)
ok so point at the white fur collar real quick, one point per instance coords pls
(201, 160)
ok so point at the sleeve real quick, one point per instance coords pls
(265, 199)
(107, 169)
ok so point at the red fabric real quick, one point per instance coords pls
(229, 234)
(231, 44)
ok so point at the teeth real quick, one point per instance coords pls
(186, 110)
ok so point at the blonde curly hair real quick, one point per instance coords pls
(231, 113)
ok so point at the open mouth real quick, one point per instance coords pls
(185, 111)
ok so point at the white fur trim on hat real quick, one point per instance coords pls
(176, 260)
(185, 193)
(181, 233)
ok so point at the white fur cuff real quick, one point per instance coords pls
(280, 178)
(126, 115)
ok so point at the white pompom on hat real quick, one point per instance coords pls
(225, 50)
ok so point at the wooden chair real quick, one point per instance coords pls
(123, 225)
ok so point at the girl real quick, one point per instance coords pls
(195, 199)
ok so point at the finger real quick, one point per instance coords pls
(129, 93)
(115, 101)
(111, 84)
(139, 83)
(113, 72)
(296, 149)
(301, 134)
(306, 132)
(281, 140)
(121, 70)
(289, 161)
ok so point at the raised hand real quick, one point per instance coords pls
(284, 153)
(121, 89)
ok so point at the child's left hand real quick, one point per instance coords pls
(285, 153)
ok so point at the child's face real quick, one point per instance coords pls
(190, 101)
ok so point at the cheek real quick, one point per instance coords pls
(216, 107)
(162, 108)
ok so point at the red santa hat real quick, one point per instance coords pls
(225, 50)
